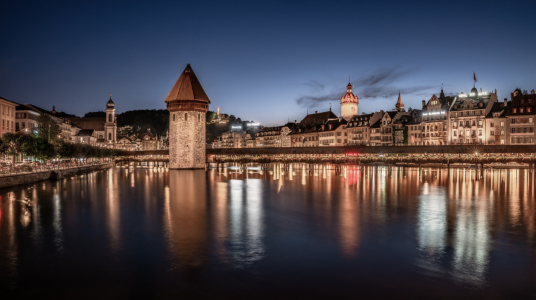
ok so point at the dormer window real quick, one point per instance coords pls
(521, 110)
(514, 110)
(522, 101)
(529, 109)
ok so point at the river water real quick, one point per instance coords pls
(298, 232)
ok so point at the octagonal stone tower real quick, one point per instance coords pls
(187, 104)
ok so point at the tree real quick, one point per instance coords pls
(10, 144)
(405, 132)
(64, 149)
(232, 119)
(47, 127)
(95, 114)
(44, 149)
(210, 116)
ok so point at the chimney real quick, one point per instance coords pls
(505, 102)
(316, 111)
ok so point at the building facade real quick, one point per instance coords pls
(8, 116)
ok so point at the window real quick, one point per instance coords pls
(454, 133)
(173, 117)
(491, 124)
(109, 136)
(492, 132)
(514, 110)
(502, 124)
(530, 120)
(513, 121)
(110, 118)
(185, 116)
(199, 118)
(522, 110)
(529, 109)
(513, 130)
(502, 132)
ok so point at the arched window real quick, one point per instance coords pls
(109, 118)
(109, 136)
(173, 117)
(185, 116)
(199, 118)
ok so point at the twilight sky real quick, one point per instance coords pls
(265, 61)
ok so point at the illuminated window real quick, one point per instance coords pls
(529, 109)
(521, 110)
(514, 110)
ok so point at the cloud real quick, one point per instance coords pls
(379, 84)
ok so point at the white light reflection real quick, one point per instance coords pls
(246, 219)
(432, 227)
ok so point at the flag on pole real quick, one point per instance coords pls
(474, 76)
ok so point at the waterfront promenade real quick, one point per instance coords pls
(17, 176)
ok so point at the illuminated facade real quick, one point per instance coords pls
(467, 117)
(358, 128)
(520, 116)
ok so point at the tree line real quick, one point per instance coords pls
(47, 143)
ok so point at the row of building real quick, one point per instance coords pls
(94, 131)
(473, 118)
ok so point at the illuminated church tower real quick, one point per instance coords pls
(187, 104)
(111, 123)
(349, 104)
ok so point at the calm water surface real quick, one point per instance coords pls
(362, 233)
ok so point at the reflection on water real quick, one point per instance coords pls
(186, 216)
(474, 231)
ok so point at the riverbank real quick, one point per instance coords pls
(31, 177)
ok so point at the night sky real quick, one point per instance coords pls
(265, 61)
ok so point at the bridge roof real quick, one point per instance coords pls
(187, 87)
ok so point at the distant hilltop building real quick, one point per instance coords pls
(187, 104)
(220, 118)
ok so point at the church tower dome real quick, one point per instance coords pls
(187, 104)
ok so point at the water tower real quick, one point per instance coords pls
(187, 104)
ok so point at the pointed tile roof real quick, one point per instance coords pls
(399, 102)
(187, 87)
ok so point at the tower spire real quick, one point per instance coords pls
(399, 105)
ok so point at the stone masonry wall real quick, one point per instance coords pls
(187, 140)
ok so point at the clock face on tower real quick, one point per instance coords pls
(353, 108)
